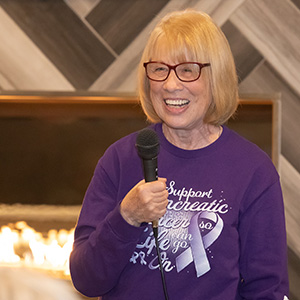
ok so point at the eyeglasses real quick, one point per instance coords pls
(186, 71)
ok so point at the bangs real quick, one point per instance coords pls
(178, 48)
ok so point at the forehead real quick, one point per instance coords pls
(171, 51)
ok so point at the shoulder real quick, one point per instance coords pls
(123, 150)
(121, 154)
(247, 155)
(125, 146)
(243, 148)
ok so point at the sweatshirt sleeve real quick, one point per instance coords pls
(104, 241)
(263, 259)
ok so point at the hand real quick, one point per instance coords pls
(145, 202)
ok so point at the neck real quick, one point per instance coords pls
(192, 139)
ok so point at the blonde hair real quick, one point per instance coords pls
(193, 36)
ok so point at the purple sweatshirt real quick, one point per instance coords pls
(222, 237)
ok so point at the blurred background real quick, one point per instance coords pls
(61, 49)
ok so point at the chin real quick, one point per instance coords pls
(176, 125)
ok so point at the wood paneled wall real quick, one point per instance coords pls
(93, 45)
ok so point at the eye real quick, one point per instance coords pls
(186, 70)
(160, 68)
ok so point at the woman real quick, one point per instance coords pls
(218, 197)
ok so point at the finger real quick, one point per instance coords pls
(157, 186)
(161, 195)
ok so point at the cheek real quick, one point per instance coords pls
(203, 92)
(155, 99)
(155, 93)
(154, 87)
(157, 103)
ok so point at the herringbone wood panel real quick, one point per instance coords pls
(66, 46)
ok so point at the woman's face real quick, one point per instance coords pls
(180, 105)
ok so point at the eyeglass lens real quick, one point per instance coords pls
(184, 71)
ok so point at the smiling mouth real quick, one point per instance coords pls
(177, 102)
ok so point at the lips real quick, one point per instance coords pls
(176, 102)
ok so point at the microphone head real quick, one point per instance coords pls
(147, 144)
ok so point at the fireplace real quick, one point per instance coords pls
(50, 145)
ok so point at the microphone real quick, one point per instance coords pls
(147, 144)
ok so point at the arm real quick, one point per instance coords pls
(263, 260)
(107, 233)
(104, 241)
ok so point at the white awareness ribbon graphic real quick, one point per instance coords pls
(196, 252)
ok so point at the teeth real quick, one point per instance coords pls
(179, 102)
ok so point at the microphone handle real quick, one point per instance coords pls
(150, 169)
(150, 174)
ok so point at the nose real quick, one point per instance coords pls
(172, 83)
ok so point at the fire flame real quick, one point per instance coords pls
(21, 245)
